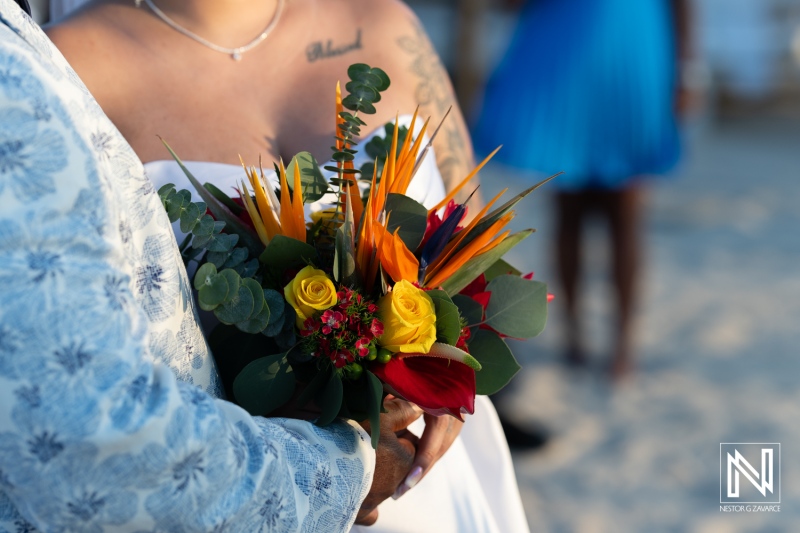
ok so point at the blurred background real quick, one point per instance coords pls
(717, 324)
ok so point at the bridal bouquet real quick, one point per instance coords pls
(374, 294)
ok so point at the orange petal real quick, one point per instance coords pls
(402, 156)
(461, 185)
(466, 253)
(267, 215)
(461, 235)
(397, 260)
(287, 215)
(339, 109)
(407, 170)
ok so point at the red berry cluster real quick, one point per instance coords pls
(346, 331)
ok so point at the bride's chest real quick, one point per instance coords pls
(208, 118)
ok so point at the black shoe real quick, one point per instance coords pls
(520, 438)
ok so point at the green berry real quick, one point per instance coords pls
(354, 371)
(384, 356)
(373, 353)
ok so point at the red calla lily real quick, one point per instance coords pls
(439, 386)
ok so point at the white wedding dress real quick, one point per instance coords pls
(472, 489)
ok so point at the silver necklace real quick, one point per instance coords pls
(235, 53)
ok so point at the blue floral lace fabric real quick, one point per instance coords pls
(110, 416)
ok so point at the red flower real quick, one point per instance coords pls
(342, 357)
(376, 328)
(331, 320)
(362, 346)
(466, 333)
(439, 386)
(310, 326)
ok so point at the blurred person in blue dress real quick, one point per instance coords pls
(589, 87)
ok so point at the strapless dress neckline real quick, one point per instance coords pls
(427, 186)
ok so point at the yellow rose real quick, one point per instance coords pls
(310, 291)
(409, 319)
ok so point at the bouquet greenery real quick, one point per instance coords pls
(374, 295)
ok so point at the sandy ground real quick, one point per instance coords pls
(717, 348)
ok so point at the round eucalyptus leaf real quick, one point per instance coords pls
(257, 323)
(234, 281)
(258, 295)
(498, 364)
(213, 294)
(517, 307)
(204, 275)
(363, 92)
(237, 309)
(264, 385)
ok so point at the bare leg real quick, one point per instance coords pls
(624, 216)
(571, 208)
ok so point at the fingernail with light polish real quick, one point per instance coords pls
(410, 482)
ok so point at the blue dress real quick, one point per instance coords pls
(586, 87)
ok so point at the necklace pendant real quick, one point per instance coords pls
(236, 55)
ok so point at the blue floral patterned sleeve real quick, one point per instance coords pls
(109, 412)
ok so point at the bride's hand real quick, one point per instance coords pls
(394, 455)
(439, 434)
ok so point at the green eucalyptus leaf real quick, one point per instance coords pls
(222, 242)
(408, 215)
(499, 268)
(363, 92)
(342, 157)
(248, 269)
(258, 296)
(233, 279)
(264, 385)
(236, 257)
(199, 242)
(498, 364)
(248, 237)
(276, 304)
(374, 406)
(190, 217)
(517, 307)
(218, 259)
(469, 309)
(237, 309)
(448, 321)
(257, 323)
(329, 399)
(360, 71)
(203, 275)
(313, 183)
(213, 294)
(284, 252)
(205, 226)
(165, 191)
(356, 104)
